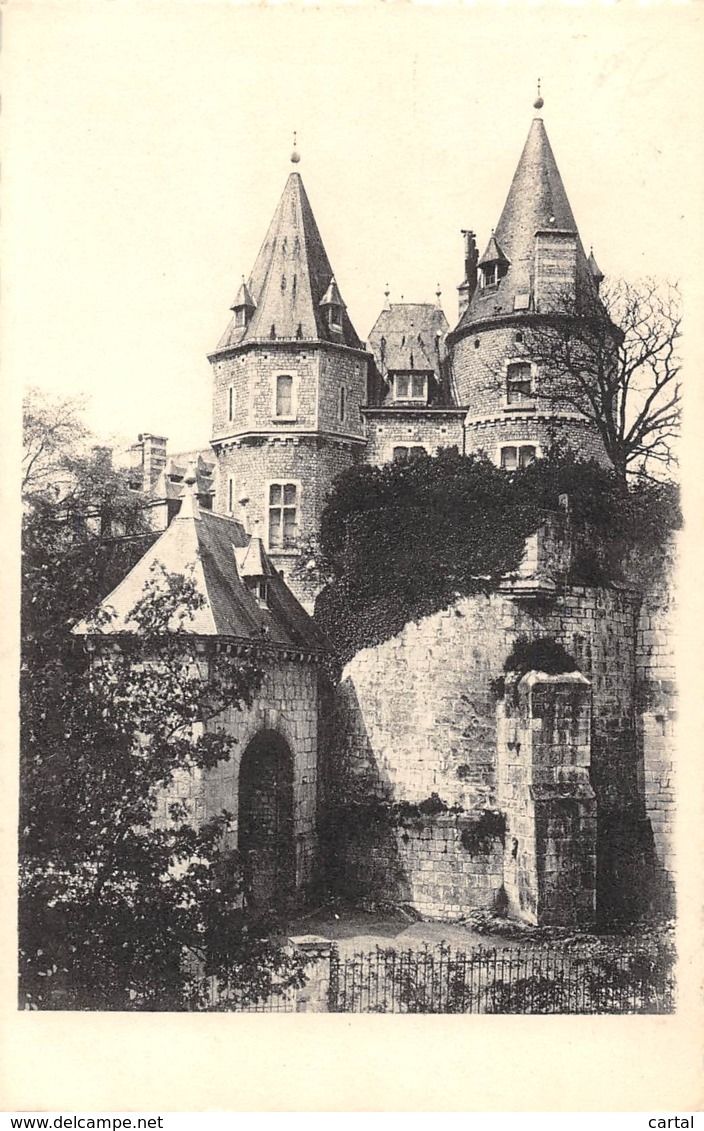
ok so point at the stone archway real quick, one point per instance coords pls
(265, 823)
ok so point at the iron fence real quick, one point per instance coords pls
(440, 980)
(538, 979)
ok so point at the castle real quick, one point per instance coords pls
(298, 397)
(555, 798)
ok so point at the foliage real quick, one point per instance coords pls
(478, 837)
(402, 541)
(119, 910)
(112, 898)
(53, 432)
(618, 530)
(614, 360)
(542, 654)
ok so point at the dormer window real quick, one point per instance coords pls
(493, 273)
(244, 306)
(259, 588)
(493, 265)
(411, 387)
(332, 307)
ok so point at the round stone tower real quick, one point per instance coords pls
(533, 273)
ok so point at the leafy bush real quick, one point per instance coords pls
(402, 541)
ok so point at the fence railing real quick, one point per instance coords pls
(439, 979)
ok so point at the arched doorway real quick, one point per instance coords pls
(265, 823)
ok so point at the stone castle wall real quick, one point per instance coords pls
(479, 362)
(287, 705)
(386, 431)
(416, 715)
(657, 717)
(318, 372)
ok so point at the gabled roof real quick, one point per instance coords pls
(596, 271)
(536, 202)
(332, 295)
(493, 253)
(210, 544)
(290, 279)
(243, 298)
(252, 560)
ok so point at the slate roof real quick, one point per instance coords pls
(493, 253)
(211, 543)
(411, 335)
(290, 278)
(536, 201)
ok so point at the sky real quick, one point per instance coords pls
(146, 146)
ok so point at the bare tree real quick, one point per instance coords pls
(614, 359)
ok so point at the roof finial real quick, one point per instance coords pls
(189, 500)
(438, 295)
(539, 103)
(295, 156)
(387, 292)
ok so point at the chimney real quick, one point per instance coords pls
(153, 459)
(471, 255)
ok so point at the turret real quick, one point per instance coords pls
(534, 267)
(290, 377)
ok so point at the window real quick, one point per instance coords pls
(231, 403)
(230, 495)
(411, 387)
(493, 273)
(342, 407)
(404, 452)
(259, 588)
(285, 396)
(283, 516)
(513, 456)
(519, 384)
(335, 317)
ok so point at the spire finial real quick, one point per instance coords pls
(387, 292)
(189, 501)
(438, 295)
(539, 103)
(295, 156)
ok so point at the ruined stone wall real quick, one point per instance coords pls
(543, 757)
(433, 863)
(657, 693)
(416, 715)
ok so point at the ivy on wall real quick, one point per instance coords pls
(402, 541)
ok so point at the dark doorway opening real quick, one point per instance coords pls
(265, 825)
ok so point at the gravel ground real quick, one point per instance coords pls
(355, 931)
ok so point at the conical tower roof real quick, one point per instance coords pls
(536, 202)
(290, 278)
